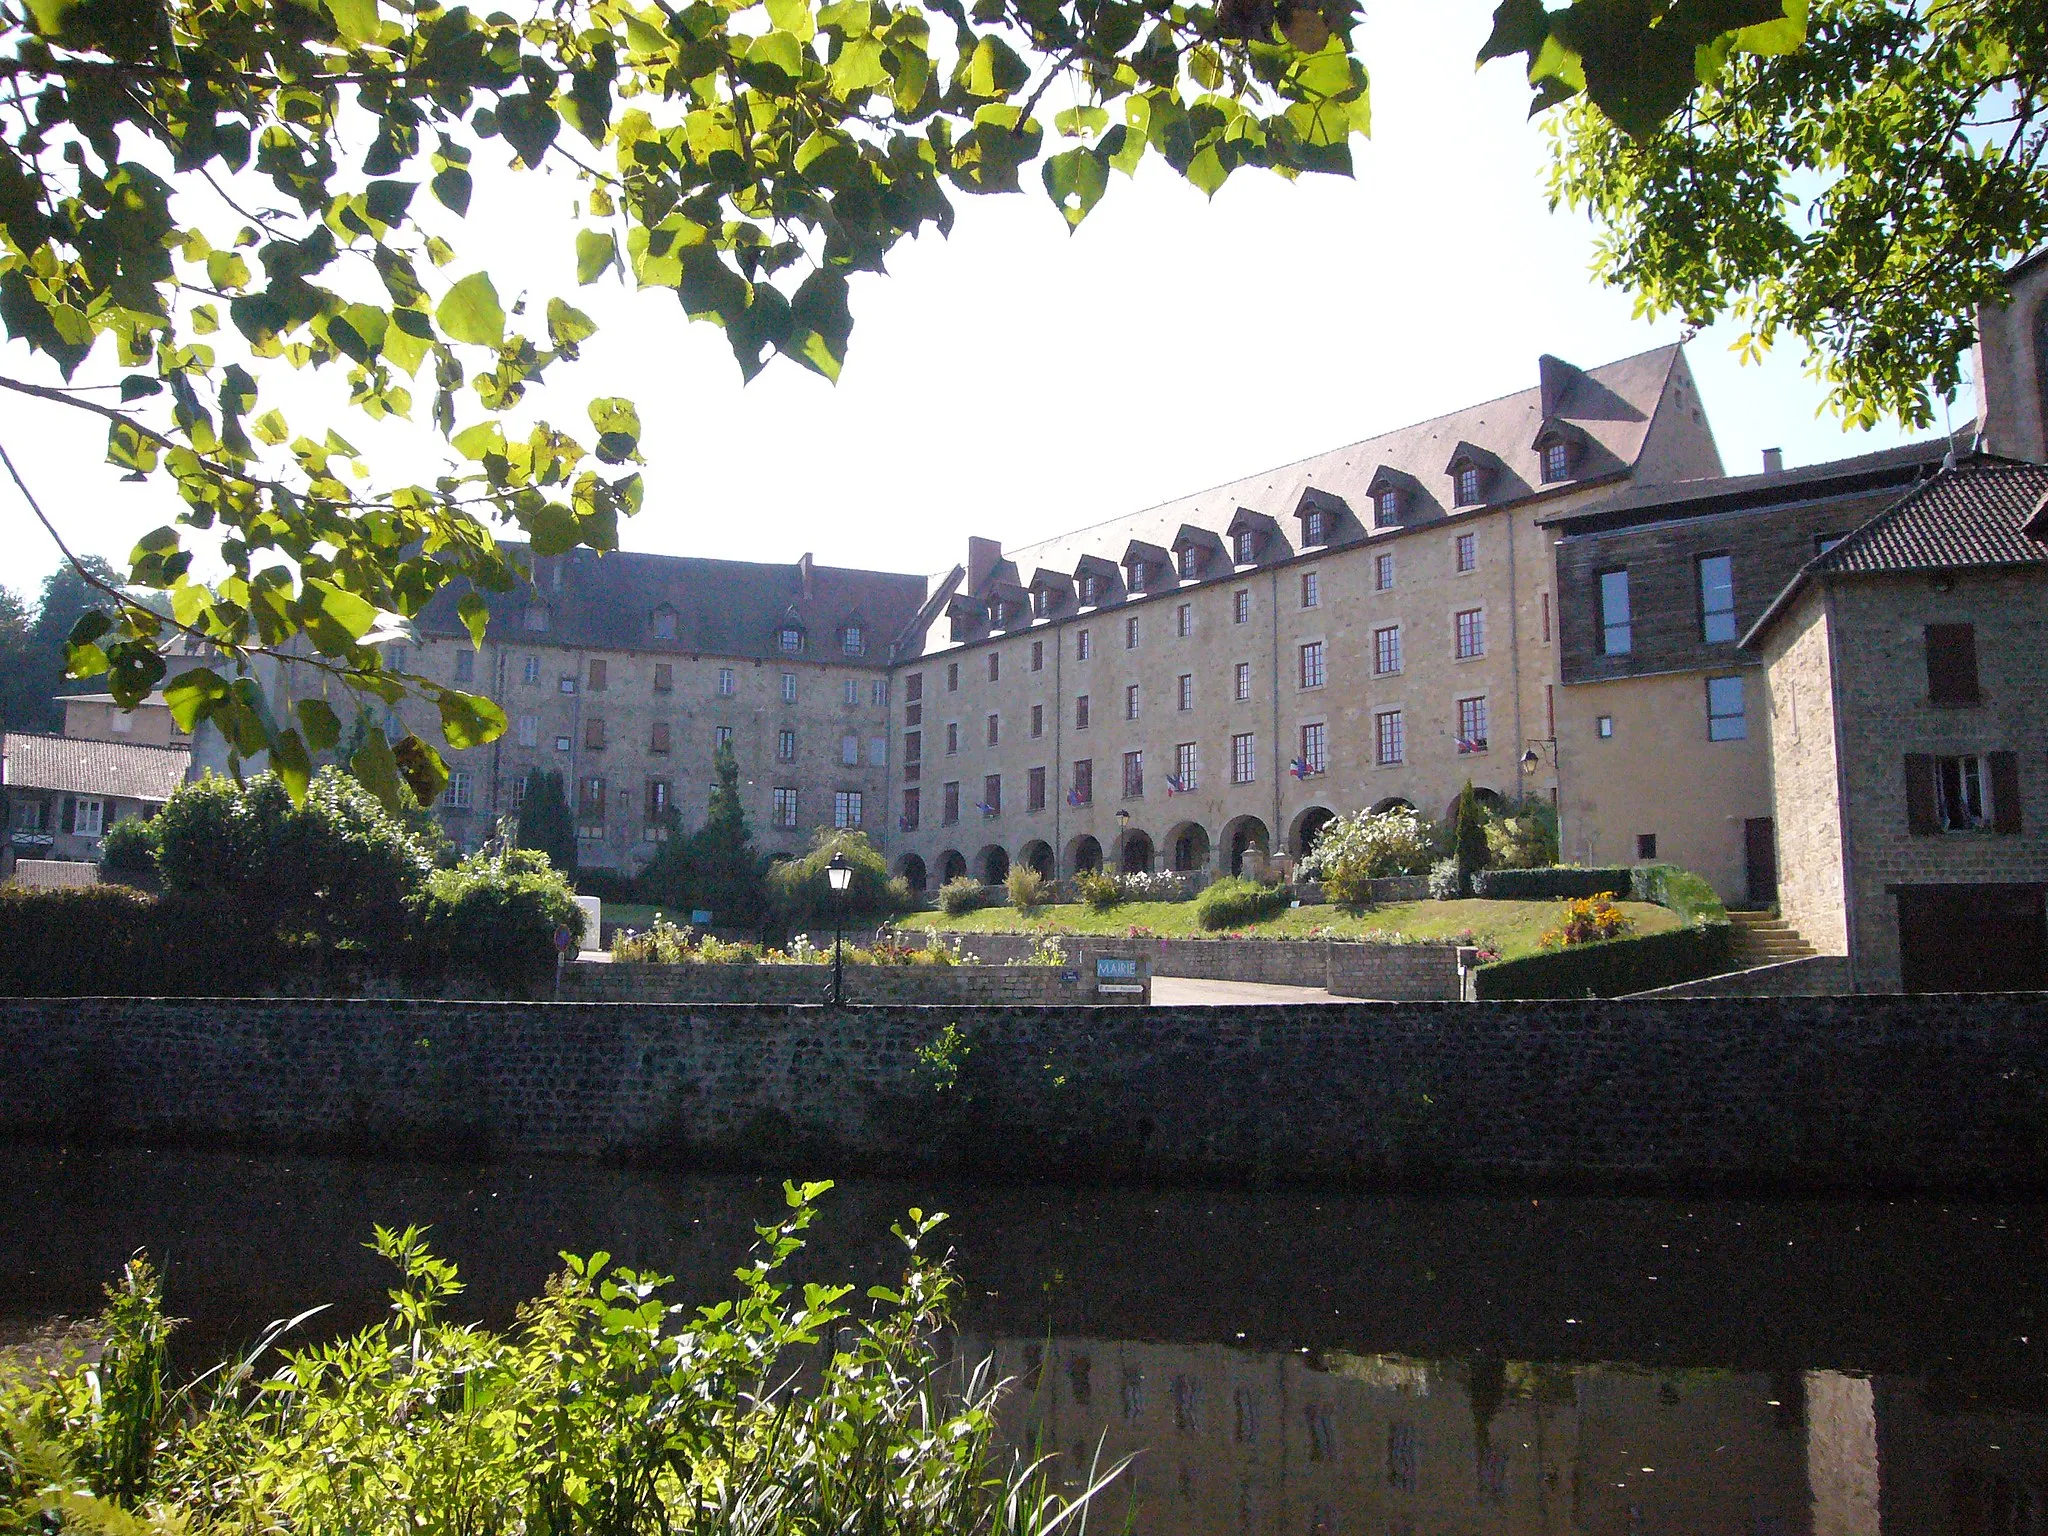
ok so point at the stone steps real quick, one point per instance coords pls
(1761, 939)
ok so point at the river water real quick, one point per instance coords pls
(1289, 1363)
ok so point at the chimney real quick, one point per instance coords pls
(803, 573)
(1774, 461)
(1554, 376)
(982, 555)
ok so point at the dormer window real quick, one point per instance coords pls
(534, 620)
(1038, 603)
(1557, 460)
(789, 639)
(1315, 526)
(852, 641)
(1134, 576)
(1187, 561)
(1468, 485)
(1386, 509)
(1091, 589)
(1244, 547)
(664, 623)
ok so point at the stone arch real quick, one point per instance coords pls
(1084, 853)
(912, 869)
(952, 865)
(994, 864)
(1491, 799)
(1308, 826)
(1393, 803)
(1243, 835)
(1037, 855)
(1187, 847)
(1135, 857)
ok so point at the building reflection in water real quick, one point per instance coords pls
(1233, 1442)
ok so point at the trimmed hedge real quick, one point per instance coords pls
(1615, 967)
(1687, 894)
(1556, 883)
(1234, 901)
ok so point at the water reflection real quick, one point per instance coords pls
(1284, 1363)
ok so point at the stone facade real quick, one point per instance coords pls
(1905, 1092)
(1386, 972)
(919, 985)
(1799, 686)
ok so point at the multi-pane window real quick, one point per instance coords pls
(1617, 635)
(1726, 720)
(1038, 655)
(1034, 790)
(1184, 620)
(1084, 645)
(1241, 606)
(1388, 509)
(1131, 633)
(721, 736)
(1244, 757)
(1717, 599)
(657, 737)
(1468, 486)
(1383, 573)
(1314, 749)
(1312, 664)
(910, 810)
(597, 677)
(851, 692)
(1131, 701)
(878, 692)
(789, 687)
(878, 751)
(952, 738)
(1315, 527)
(849, 751)
(590, 799)
(664, 677)
(1241, 681)
(1472, 724)
(1959, 794)
(1134, 576)
(995, 729)
(1951, 663)
(1311, 589)
(465, 666)
(785, 746)
(1184, 768)
(657, 798)
(593, 735)
(790, 638)
(995, 667)
(992, 794)
(1184, 560)
(952, 677)
(949, 804)
(727, 682)
(529, 730)
(1465, 551)
(1244, 548)
(913, 753)
(1134, 775)
(1557, 460)
(534, 621)
(853, 642)
(785, 805)
(1040, 602)
(1037, 720)
(1091, 588)
(1471, 633)
(1184, 691)
(518, 793)
(1386, 650)
(1390, 738)
(529, 673)
(1081, 712)
(460, 793)
(1083, 792)
(845, 808)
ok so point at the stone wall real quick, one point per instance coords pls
(1791, 1093)
(1387, 972)
(1812, 976)
(932, 985)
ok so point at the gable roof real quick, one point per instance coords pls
(722, 607)
(77, 766)
(1973, 515)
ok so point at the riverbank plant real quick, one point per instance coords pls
(783, 1410)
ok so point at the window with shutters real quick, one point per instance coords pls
(1952, 664)
(88, 817)
(657, 740)
(1084, 782)
(1034, 790)
(593, 735)
(664, 677)
(949, 804)
(597, 677)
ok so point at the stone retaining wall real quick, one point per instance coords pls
(967, 985)
(1809, 976)
(1387, 972)
(1795, 1093)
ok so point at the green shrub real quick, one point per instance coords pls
(1558, 883)
(716, 868)
(1353, 851)
(1468, 837)
(959, 895)
(130, 847)
(544, 821)
(802, 893)
(1523, 836)
(120, 942)
(607, 885)
(1614, 968)
(1681, 890)
(1233, 902)
(1444, 881)
(1029, 890)
(1098, 890)
(494, 918)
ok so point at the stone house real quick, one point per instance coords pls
(63, 792)
(1907, 710)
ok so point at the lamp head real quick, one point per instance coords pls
(1529, 761)
(840, 873)
(1123, 821)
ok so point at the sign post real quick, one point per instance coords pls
(564, 940)
(1117, 976)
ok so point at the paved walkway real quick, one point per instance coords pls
(1168, 991)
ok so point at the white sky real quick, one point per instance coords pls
(1014, 381)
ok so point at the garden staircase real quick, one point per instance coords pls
(1761, 938)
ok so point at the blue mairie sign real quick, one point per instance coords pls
(1118, 974)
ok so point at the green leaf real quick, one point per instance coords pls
(319, 724)
(481, 441)
(353, 616)
(470, 312)
(595, 251)
(475, 614)
(642, 39)
(192, 695)
(793, 17)
(1076, 180)
(779, 50)
(452, 189)
(567, 326)
(356, 20)
(290, 761)
(618, 429)
(1207, 170)
(376, 769)
(529, 125)
(425, 774)
(128, 447)
(469, 720)
(91, 624)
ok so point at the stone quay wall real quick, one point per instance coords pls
(1786, 1093)
(1388, 972)
(1019, 986)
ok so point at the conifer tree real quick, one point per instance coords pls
(544, 822)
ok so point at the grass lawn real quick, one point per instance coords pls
(638, 914)
(1512, 927)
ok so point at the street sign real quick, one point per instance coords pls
(564, 939)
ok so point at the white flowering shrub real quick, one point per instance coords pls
(1365, 846)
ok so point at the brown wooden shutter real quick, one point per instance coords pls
(70, 813)
(1921, 815)
(2005, 792)
(1952, 664)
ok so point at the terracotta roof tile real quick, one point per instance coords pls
(75, 766)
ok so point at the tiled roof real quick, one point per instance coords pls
(1612, 405)
(722, 607)
(1972, 515)
(74, 766)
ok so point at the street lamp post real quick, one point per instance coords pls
(1123, 832)
(839, 874)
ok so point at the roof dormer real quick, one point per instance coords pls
(1095, 580)
(1560, 449)
(853, 634)
(790, 638)
(1145, 566)
(1252, 535)
(1319, 514)
(1396, 497)
(1052, 593)
(1474, 473)
(1197, 552)
(966, 614)
(1008, 603)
